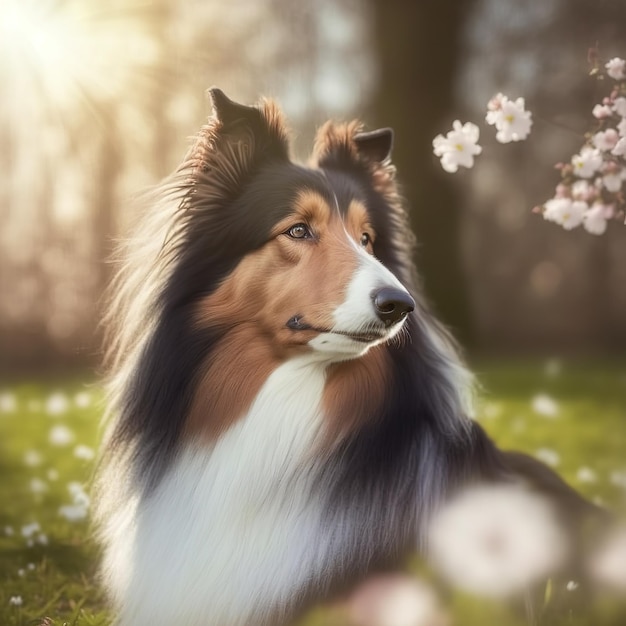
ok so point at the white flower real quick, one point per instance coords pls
(57, 404)
(28, 530)
(605, 140)
(618, 478)
(73, 512)
(496, 540)
(82, 399)
(84, 452)
(395, 600)
(608, 566)
(587, 162)
(79, 509)
(38, 486)
(612, 182)
(509, 117)
(572, 585)
(60, 435)
(555, 207)
(601, 111)
(42, 539)
(32, 458)
(8, 531)
(583, 190)
(15, 601)
(620, 147)
(79, 496)
(619, 106)
(548, 456)
(52, 474)
(621, 127)
(575, 215)
(458, 147)
(615, 68)
(564, 212)
(21, 572)
(595, 219)
(544, 405)
(586, 475)
(8, 403)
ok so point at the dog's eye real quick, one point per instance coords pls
(300, 231)
(366, 240)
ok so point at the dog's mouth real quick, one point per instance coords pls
(361, 337)
(369, 335)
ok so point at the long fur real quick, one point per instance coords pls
(267, 515)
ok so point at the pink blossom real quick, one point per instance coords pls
(621, 127)
(509, 117)
(395, 600)
(458, 147)
(620, 147)
(583, 190)
(605, 140)
(612, 182)
(587, 162)
(564, 212)
(601, 111)
(619, 106)
(595, 219)
(555, 207)
(562, 191)
(615, 68)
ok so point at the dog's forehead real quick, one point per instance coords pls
(344, 190)
(281, 188)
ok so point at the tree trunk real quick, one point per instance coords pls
(419, 47)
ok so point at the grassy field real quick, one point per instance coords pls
(571, 415)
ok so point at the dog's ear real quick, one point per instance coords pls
(346, 146)
(236, 139)
(261, 128)
(230, 113)
(375, 145)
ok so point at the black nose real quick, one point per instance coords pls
(392, 305)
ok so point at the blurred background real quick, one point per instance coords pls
(99, 101)
(101, 97)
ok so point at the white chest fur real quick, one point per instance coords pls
(234, 527)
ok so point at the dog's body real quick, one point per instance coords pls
(286, 414)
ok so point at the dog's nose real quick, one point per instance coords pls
(392, 305)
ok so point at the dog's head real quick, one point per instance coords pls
(245, 260)
(303, 257)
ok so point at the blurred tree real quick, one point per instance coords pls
(568, 286)
(420, 49)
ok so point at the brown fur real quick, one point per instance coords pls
(230, 383)
(284, 278)
(354, 392)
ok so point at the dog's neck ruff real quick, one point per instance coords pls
(246, 511)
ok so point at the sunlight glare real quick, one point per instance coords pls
(70, 50)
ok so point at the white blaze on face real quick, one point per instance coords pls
(357, 313)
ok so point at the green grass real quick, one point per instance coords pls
(55, 577)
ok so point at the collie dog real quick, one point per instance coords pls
(286, 415)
